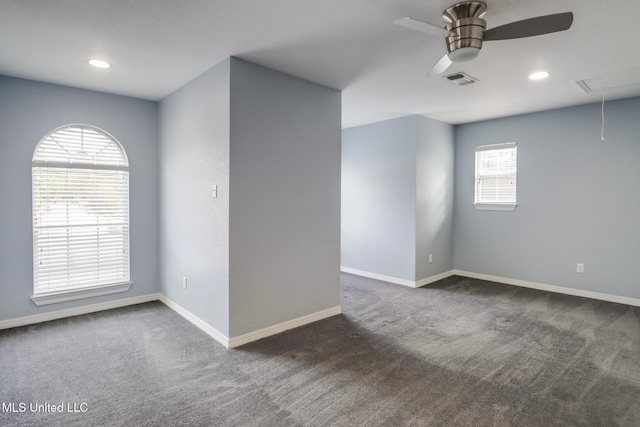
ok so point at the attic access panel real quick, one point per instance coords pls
(610, 81)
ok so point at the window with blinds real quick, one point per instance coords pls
(80, 179)
(496, 176)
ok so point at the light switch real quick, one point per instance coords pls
(214, 191)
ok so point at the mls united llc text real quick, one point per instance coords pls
(21, 407)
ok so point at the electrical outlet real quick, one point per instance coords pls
(184, 283)
(580, 268)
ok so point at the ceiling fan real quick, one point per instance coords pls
(465, 30)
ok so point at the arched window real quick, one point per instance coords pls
(80, 178)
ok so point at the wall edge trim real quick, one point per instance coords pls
(434, 278)
(77, 311)
(551, 288)
(196, 321)
(284, 326)
(505, 280)
(376, 276)
(396, 280)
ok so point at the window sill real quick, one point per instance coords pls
(56, 297)
(495, 206)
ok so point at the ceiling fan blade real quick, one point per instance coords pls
(414, 24)
(531, 27)
(440, 66)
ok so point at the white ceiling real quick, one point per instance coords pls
(156, 46)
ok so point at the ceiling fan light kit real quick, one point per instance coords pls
(465, 30)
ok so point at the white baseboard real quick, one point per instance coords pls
(201, 324)
(507, 281)
(251, 336)
(92, 308)
(300, 321)
(395, 280)
(281, 327)
(551, 288)
(434, 279)
(376, 276)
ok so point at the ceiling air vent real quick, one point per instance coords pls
(461, 79)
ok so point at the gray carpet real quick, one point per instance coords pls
(459, 352)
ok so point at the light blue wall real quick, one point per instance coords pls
(194, 155)
(578, 200)
(434, 197)
(284, 198)
(275, 141)
(379, 198)
(266, 249)
(397, 198)
(29, 110)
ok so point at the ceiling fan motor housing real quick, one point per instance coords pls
(466, 26)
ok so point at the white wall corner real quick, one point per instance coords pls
(251, 336)
(195, 320)
(434, 278)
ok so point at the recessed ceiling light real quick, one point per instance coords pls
(539, 75)
(99, 63)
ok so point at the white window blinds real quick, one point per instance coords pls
(496, 176)
(80, 179)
